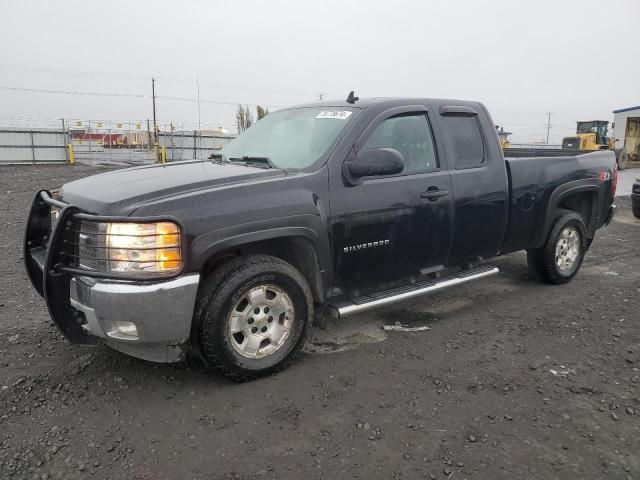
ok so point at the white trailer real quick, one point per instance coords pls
(626, 132)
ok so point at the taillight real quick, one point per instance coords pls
(604, 176)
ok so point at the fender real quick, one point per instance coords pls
(311, 227)
(593, 185)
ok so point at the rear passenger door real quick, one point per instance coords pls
(479, 181)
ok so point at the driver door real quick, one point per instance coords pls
(388, 229)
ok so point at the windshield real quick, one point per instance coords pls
(597, 127)
(291, 139)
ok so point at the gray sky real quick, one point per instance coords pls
(577, 59)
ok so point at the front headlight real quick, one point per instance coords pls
(143, 248)
(129, 249)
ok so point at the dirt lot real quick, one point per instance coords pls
(515, 380)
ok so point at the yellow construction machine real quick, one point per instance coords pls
(503, 136)
(591, 135)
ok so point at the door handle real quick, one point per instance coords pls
(434, 193)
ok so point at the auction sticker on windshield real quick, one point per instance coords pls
(338, 114)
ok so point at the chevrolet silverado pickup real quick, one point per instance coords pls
(327, 208)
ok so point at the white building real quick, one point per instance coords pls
(626, 131)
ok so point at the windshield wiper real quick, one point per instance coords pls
(260, 162)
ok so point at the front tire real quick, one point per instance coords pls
(562, 255)
(254, 315)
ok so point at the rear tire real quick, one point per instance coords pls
(254, 315)
(559, 260)
(636, 212)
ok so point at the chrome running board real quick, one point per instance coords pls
(387, 297)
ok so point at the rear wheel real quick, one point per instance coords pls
(255, 314)
(560, 258)
(636, 211)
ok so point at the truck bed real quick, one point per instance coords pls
(532, 179)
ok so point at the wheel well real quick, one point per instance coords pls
(298, 251)
(583, 204)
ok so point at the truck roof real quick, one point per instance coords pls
(383, 101)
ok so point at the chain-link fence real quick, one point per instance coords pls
(193, 144)
(106, 141)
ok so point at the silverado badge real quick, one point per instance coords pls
(362, 246)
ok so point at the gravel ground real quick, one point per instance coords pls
(515, 380)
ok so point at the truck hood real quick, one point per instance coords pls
(121, 191)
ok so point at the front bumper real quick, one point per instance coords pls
(137, 318)
(148, 319)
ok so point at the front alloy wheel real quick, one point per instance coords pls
(253, 316)
(260, 323)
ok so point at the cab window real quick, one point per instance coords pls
(465, 140)
(409, 134)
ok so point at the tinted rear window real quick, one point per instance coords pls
(465, 140)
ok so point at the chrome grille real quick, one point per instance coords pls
(88, 245)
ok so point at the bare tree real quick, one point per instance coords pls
(244, 118)
(261, 112)
(248, 117)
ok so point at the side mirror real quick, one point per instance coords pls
(374, 162)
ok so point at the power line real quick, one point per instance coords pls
(168, 79)
(72, 92)
(233, 86)
(127, 95)
(215, 102)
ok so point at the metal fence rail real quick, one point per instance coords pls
(105, 143)
(20, 146)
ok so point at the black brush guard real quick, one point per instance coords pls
(52, 258)
(45, 258)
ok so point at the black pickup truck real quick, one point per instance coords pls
(334, 207)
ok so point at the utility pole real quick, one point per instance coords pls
(321, 96)
(198, 85)
(155, 125)
(199, 128)
(548, 126)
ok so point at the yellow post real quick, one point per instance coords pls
(163, 154)
(71, 158)
(155, 152)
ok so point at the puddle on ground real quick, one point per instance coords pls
(597, 270)
(346, 334)
(351, 332)
(441, 308)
